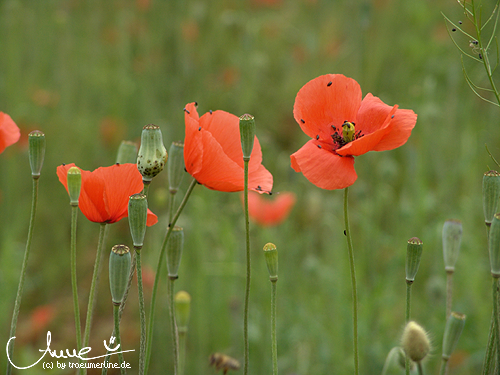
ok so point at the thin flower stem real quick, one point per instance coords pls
(420, 368)
(145, 191)
(173, 325)
(116, 316)
(449, 292)
(444, 367)
(247, 288)
(182, 351)
(20, 287)
(353, 281)
(158, 269)
(407, 319)
(171, 201)
(490, 348)
(273, 327)
(76, 305)
(142, 312)
(495, 317)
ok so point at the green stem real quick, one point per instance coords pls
(173, 325)
(171, 200)
(273, 326)
(20, 287)
(495, 317)
(145, 191)
(142, 312)
(444, 367)
(158, 269)
(449, 292)
(490, 348)
(182, 350)
(116, 316)
(76, 305)
(247, 288)
(407, 319)
(353, 281)
(420, 368)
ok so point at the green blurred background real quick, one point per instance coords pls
(91, 73)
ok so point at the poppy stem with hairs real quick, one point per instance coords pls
(247, 289)
(353, 281)
(158, 269)
(142, 311)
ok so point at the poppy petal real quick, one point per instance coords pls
(324, 168)
(400, 130)
(260, 179)
(9, 132)
(325, 101)
(268, 212)
(193, 152)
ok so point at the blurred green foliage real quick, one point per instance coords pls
(91, 73)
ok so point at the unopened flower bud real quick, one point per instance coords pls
(119, 269)
(491, 194)
(36, 152)
(413, 255)
(175, 166)
(127, 153)
(152, 153)
(494, 246)
(74, 177)
(271, 254)
(415, 342)
(452, 236)
(182, 302)
(247, 134)
(137, 218)
(453, 330)
(174, 251)
(395, 362)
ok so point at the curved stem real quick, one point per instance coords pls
(247, 289)
(273, 327)
(173, 325)
(76, 305)
(20, 287)
(142, 311)
(353, 281)
(116, 310)
(158, 269)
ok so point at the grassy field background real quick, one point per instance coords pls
(92, 73)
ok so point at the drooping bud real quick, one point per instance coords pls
(494, 246)
(175, 166)
(182, 302)
(271, 254)
(119, 269)
(247, 134)
(137, 218)
(36, 152)
(74, 178)
(491, 194)
(174, 251)
(127, 153)
(415, 342)
(413, 255)
(452, 236)
(395, 362)
(152, 153)
(453, 330)
(348, 131)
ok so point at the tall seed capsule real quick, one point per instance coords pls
(413, 255)
(127, 153)
(247, 134)
(137, 218)
(271, 254)
(152, 153)
(491, 194)
(74, 178)
(119, 269)
(494, 246)
(182, 302)
(175, 166)
(452, 237)
(454, 327)
(175, 245)
(36, 141)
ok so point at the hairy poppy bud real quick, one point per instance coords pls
(452, 236)
(413, 255)
(127, 153)
(453, 330)
(182, 309)
(271, 254)
(36, 152)
(152, 153)
(175, 166)
(247, 134)
(415, 342)
(119, 269)
(137, 217)
(491, 194)
(174, 251)
(74, 185)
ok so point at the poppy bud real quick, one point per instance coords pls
(395, 362)
(152, 154)
(453, 330)
(247, 134)
(119, 269)
(182, 302)
(36, 141)
(494, 246)
(271, 254)
(137, 217)
(175, 166)
(74, 185)
(491, 193)
(127, 153)
(174, 251)
(413, 255)
(452, 236)
(415, 342)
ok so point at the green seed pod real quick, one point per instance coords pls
(271, 254)
(127, 153)
(36, 152)
(182, 302)
(119, 269)
(415, 342)
(137, 218)
(348, 131)
(74, 177)
(413, 255)
(453, 330)
(491, 194)
(494, 246)
(175, 166)
(452, 236)
(152, 153)
(174, 251)
(247, 135)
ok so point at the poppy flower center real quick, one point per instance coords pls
(348, 134)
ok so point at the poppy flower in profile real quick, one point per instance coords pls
(105, 192)
(269, 212)
(329, 109)
(9, 132)
(213, 155)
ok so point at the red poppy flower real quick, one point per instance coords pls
(105, 192)
(9, 132)
(213, 155)
(269, 212)
(322, 107)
